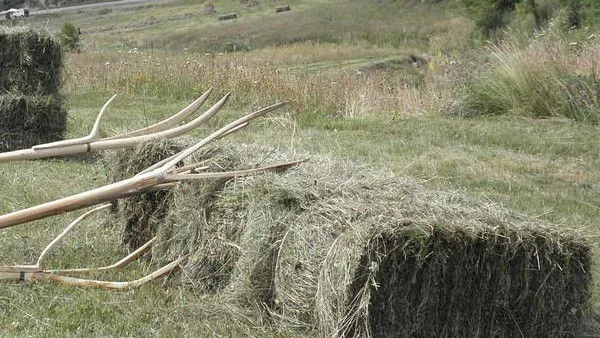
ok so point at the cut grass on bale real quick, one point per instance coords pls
(347, 250)
(31, 61)
(142, 213)
(27, 120)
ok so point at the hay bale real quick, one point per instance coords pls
(281, 9)
(208, 8)
(141, 214)
(196, 226)
(229, 16)
(29, 120)
(490, 281)
(30, 61)
(351, 251)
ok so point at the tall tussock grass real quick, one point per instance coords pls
(546, 79)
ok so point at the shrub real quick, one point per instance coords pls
(490, 14)
(69, 37)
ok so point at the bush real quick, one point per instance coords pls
(69, 37)
(491, 15)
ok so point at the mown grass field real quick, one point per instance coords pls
(381, 91)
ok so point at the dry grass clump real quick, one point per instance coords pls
(142, 214)
(196, 225)
(29, 120)
(30, 61)
(348, 250)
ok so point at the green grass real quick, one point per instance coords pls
(501, 159)
(547, 168)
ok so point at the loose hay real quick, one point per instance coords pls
(29, 120)
(30, 62)
(202, 229)
(349, 251)
(142, 213)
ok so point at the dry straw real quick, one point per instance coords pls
(140, 214)
(347, 250)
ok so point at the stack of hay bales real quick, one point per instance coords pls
(348, 250)
(31, 110)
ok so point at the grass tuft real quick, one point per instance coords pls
(540, 81)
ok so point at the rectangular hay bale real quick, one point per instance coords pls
(495, 282)
(30, 62)
(26, 121)
(343, 250)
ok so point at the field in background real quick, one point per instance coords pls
(378, 90)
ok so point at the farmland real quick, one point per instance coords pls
(395, 91)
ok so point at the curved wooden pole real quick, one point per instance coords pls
(66, 231)
(231, 174)
(94, 134)
(237, 124)
(80, 282)
(118, 265)
(169, 122)
(85, 199)
(105, 144)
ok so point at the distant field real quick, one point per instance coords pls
(382, 91)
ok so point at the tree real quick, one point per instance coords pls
(490, 14)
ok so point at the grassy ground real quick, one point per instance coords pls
(363, 94)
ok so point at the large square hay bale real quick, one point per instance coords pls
(29, 120)
(347, 250)
(30, 61)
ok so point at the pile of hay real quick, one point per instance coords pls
(141, 214)
(30, 77)
(347, 250)
(29, 120)
(30, 62)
